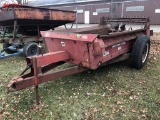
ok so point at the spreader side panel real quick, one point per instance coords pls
(78, 51)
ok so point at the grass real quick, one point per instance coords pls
(111, 92)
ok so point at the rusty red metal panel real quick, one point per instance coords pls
(111, 41)
(116, 50)
(45, 14)
(35, 15)
(77, 50)
(69, 36)
(108, 53)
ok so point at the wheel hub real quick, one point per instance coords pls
(145, 53)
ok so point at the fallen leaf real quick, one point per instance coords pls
(133, 110)
(0, 116)
(131, 98)
(118, 102)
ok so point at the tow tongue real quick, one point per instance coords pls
(12, 84)
(36, 64)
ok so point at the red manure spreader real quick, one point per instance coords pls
(86, 48)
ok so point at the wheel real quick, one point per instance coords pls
(30, 49)
(5, 47)
(140, 52)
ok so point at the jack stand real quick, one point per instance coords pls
(37, 95)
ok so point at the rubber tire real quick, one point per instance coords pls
(27, 49)
(137, 52)
(5, 47)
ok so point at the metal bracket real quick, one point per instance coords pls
(10, 55)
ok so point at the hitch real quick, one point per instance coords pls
(38, 66)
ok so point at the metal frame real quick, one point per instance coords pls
(2, 55)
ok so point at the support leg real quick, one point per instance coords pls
(4, 32)
(15, 30)
(37, 95)
(36, 80)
